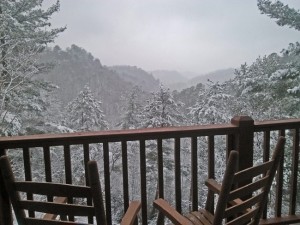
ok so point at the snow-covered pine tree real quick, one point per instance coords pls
(215, 104)
(189, 97)
(34, 103)
(131, 118)
(84, 113)
(269, 88)
(24, 32)
(162, 110)
(284, 15)
(285, 80)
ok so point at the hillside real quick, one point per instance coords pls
(136, 76)
(75, 67)
(168, 77)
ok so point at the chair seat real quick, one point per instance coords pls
(201, 217)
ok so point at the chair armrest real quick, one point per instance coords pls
(213, 185)
(131, 213)
(49, 216)
(170, 212)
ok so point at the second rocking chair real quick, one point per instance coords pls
(237, 204)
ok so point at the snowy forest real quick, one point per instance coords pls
(52, 90)
(45, 90)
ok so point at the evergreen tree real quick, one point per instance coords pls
(32, 105)
(284, 15)
(84, 113)
(162, 110)
(215, 104)
(283, 83)
(24, 32)
(270, 87)
(189, 97)
(131, 118)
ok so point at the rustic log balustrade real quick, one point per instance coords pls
(240, 135)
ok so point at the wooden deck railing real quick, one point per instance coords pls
(177, 144)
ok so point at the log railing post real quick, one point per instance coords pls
(243, 140)
(5, 208)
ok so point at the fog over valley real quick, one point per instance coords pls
(184, 36)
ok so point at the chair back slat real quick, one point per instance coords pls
(246, 217)
(54, 208)
(248, 189)
(53, 189)
(243, 206)
(35, 221)
(253, 171)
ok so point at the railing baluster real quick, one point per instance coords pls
(68, 172)
(160, 168)
(194, 170)
(5, 206)
(279, 182)
(211, 172)
(86, 158)
(266, 157)
(27, 164)
(107, 182)
(211, 157)
(266, 146)
(230, 144)
(67, 161)
(177, 175)
(143, 181)
(125, 175)
(295, 169)
(28, 176)
(47, 161)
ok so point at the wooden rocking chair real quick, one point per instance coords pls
(237, 205)
(59, 205)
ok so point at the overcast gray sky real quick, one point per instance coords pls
(185, 35)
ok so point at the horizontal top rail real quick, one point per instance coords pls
(138, 134)
(276, 125)
(115, 135)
